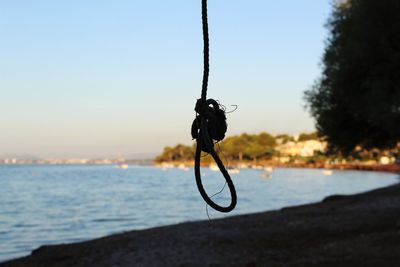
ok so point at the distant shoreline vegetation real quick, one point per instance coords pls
(305, 149)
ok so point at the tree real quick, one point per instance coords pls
(177, 153)
(284, 138)
(248, 146)
(254, 150)
(356, 101)
(308, 136)
(266, 139)
(234, 146)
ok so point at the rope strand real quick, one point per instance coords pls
(209, 125)
(206, 50)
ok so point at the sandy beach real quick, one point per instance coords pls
(356, 230)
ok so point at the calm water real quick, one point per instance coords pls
(61, 204)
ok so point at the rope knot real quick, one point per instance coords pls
(201, 106)
(214, 119)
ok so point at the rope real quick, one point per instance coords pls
(206, 52)
(209, 126)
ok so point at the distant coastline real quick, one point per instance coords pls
(77, 161)
(266, 151)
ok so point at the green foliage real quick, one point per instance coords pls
(284, 138)
(178, 153)
(308, 136)
(266, 139)
(238, 147)
(356, 101)
(249, 147)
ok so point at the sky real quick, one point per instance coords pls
(120, 78)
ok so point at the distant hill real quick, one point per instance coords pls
(19, 156)
(141, 156)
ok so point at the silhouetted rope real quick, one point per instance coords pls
(209, 126)
(206, 51)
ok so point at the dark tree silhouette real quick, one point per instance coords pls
(356, 101)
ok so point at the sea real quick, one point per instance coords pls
(54, 204)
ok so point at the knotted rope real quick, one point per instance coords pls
(209, 126)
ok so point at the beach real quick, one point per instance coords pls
(355, 230)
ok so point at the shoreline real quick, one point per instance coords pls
(393, 168)
(353, 230)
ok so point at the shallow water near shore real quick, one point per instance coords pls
(63, 204)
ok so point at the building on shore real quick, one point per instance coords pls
(303, 148)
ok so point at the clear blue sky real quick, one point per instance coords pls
(98, 78)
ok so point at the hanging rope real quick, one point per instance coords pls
(208, 127)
